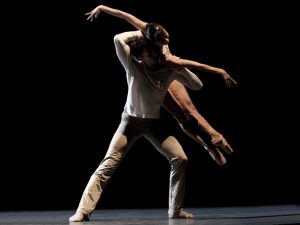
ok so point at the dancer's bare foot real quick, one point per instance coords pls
(183, 214)
(79, 217)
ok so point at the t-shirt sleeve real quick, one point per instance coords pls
(189, 79)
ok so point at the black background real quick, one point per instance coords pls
(66, 90)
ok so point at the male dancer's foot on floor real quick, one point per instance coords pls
(79, 217)
(182, 214)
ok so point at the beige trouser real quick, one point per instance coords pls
(129, 130)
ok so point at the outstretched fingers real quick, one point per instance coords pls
(227, 148)
(93, 14)
(220, 141)
(230, 82)
(224, 145)
(90, 16)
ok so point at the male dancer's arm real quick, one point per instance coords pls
(122, 48)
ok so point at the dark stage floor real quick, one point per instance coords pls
(264, 215)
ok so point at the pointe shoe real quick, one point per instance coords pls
(219, 141)
(213, 151)
(182, 214)
(216, 155)
(79, 217)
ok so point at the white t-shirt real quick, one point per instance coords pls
(147, 89)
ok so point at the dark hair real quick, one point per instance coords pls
(139, 44)
(155, 32)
